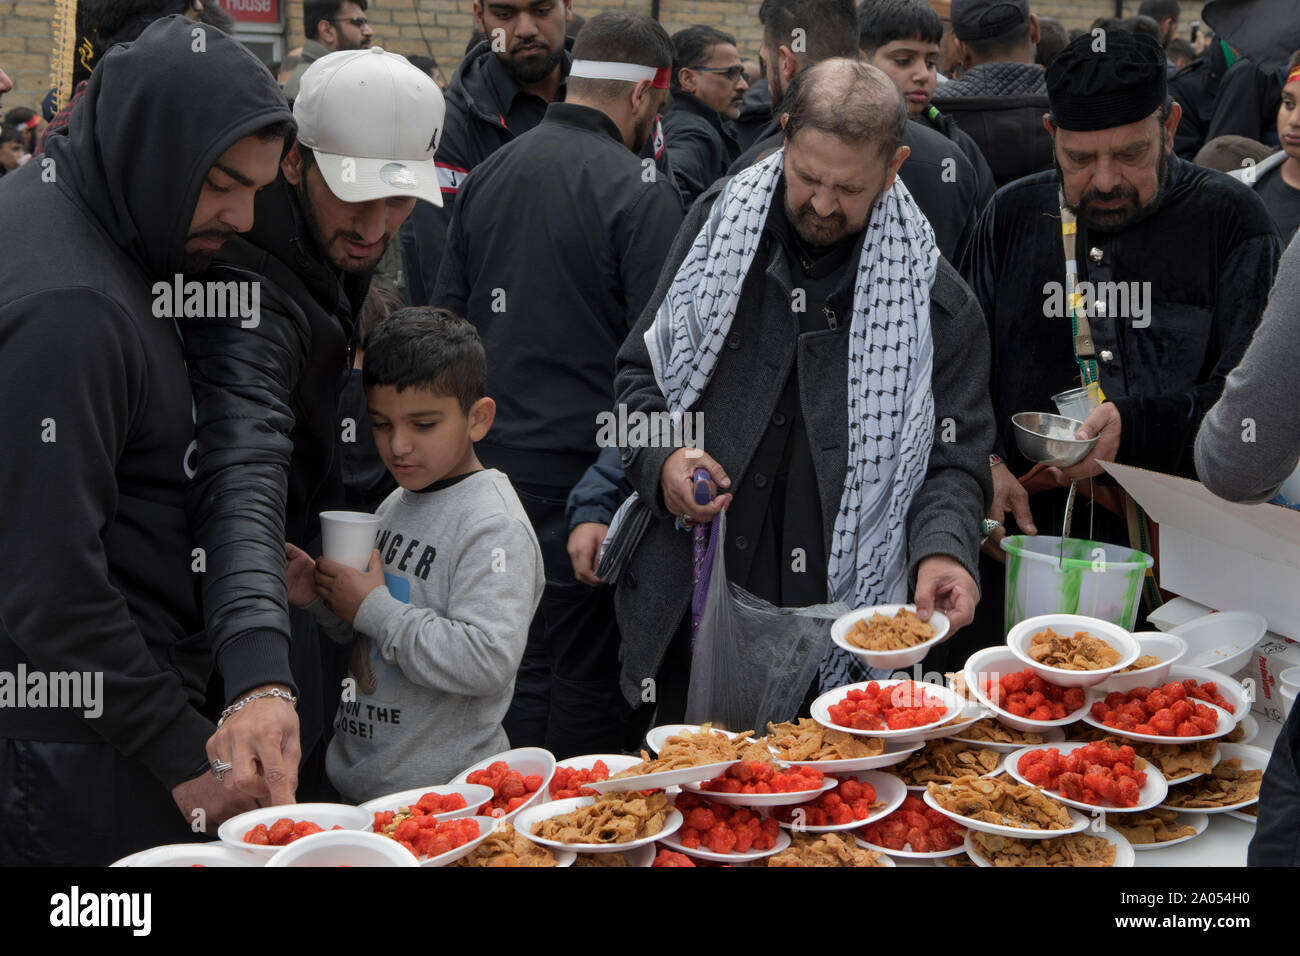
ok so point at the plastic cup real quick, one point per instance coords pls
(1078, 403)
(348, 537)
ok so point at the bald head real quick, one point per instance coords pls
(848, 99)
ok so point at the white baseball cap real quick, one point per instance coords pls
(373, 120)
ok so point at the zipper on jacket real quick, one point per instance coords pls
(831, 319)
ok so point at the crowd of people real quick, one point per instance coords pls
(332, 286)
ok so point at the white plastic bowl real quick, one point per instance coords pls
(1021, 636)
(526, 760)
(1169, 648)
(888, 660)
(1223, 641)
(324, 815)
(990, 664)
(343, 848)
(536, 814)
(616, 763)
(1124, 855)
(1151, 794)
(820, 709)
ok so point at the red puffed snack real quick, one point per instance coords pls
(723, 829)
(668, 857)
(899, 707)
(754, 776)
(916, 827)
(1164, 712)
(1025, 694)
(282, 832)
(426, 837)
(568, 781)
(850, 800)
(510, 789)
(1093, 774)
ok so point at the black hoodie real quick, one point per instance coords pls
(96, 418)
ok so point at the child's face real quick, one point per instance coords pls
(911, 64)
(423, 437)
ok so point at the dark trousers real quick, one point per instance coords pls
(567, 697)
(73, 804)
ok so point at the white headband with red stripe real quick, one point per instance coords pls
(626, 72)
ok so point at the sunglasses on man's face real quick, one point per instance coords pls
(732, 73)
(358, 22)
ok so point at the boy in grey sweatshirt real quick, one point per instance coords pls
(440, 618)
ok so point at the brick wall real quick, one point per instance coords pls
(439, 26)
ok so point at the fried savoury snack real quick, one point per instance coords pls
(1227, 784)
(507, 847)
(601, 859)
(943, 761)
(808, 740)
(1077, 849)
(823, 849)
(990, 730)
(1172, 760)
(695, 750)
(1082, 652)
(1004, 803)
(895, 633)
(1150, 826)
(614, 818)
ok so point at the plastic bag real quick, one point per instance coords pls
(753, 662)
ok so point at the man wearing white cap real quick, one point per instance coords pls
(267, 387)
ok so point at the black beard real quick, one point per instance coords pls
(532, 71)
(1133, 218)
(317, 234)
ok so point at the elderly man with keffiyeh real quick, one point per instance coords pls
(841, 368)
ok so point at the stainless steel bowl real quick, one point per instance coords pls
(1049, 439)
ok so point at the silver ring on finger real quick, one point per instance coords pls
(220, 767)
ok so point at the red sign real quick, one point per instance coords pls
(252, 11)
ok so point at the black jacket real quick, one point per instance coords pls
(936, 173)
(553, 261)
(943, 123)
(1209, 253)
(1001, 106)
(1247, 104)
(268, 431)
(1195, 88)
(485, 110)
(700, 147)
(755, 114)
(100, 575)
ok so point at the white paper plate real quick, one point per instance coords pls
(782, 841)
(909, 854)
(895, 752)
(533, 815)
(524, 760)
(1124, 855)
(324, 815)
(820, 710)
(1251, 728)
(1224, 726)
(615, 762)
(1252, 758)
(1198, 820)
(889, 791)
(993, 662)
(762, 799)
(194, 854)
(1150, 794)
(1078, 822)
(663, 778)
(475, 796)
(1236, 815)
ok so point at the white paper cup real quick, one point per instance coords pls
(348, 537)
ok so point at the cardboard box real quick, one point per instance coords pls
(1223, 555)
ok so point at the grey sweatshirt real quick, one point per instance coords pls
(1249, 442)
(436, 650)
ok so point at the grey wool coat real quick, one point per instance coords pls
(654, 592)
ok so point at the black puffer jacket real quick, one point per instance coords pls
(700, 147)
(1001, 106)
(268, 431)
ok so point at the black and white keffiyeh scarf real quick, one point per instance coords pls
(890, 405)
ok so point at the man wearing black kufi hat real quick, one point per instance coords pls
(1191, 257)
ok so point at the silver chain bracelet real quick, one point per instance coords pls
(239, 704)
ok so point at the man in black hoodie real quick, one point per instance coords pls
(101, 592)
